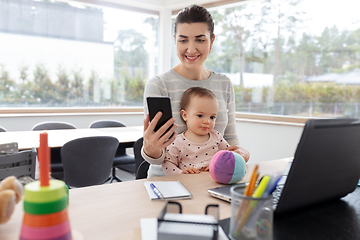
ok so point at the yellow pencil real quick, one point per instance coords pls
(257, 194)
(248, 192)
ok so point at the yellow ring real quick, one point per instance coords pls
(37, 194)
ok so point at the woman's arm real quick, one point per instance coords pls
(155, 161)
(231, 128)
(242, 151)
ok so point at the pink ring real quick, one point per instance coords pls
(67, 236)
(42, 233)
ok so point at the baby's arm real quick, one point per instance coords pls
(223, 144)
(170, 165)
(169, 168)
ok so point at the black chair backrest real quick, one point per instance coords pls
(106, 124)
(88, 161)
(2, 129)
(137, 152)
(56, 165)
(142, 170)
(121, 151)
(18, 164)
(141, 166)
(52, 126)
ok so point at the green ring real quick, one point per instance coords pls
(37, 194)
(46, 208)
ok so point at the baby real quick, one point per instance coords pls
(192, 150)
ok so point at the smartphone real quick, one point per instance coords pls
(160, 104)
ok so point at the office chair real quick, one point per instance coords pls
(52, 126)
(56, 164)
(2, 129)
(106, 124)
(142, 170)
(122, 160)
(88, 161)
(19, 164)
(141, 165)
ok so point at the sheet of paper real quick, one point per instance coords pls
(149, 230)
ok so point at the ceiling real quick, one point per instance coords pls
(155, 5)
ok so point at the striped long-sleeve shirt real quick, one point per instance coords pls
(173, 85)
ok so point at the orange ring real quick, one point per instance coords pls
(45, 220)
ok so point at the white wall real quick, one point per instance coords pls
(264, 140)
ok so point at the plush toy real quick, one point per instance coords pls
(11, 191)
(227, 167)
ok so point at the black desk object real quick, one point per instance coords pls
(337, 219)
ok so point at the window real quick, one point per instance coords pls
(290, 57)
(71, 54)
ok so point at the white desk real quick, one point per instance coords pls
(57, 138)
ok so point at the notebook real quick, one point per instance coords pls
(326, 164)
(172, 190)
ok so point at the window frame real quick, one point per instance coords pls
(51, 111)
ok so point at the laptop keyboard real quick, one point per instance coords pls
(277, 194)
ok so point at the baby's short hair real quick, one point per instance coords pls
(192, 92)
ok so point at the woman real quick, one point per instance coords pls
(194, 38)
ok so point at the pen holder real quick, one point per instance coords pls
(251, 218)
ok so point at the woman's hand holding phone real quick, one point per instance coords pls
(154, 142)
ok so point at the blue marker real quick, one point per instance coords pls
(275, 178)
(156, 191)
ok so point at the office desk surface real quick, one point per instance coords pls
(57, 138)
(113, 211)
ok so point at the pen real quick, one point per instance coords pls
(275, 178)
(257, 194)
(156, 191)
(248, 192)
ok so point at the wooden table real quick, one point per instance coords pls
(57, 138)
(113, 211)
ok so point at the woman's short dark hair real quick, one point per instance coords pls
(195, 14)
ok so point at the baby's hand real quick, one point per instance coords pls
(190, 170)
(204, 169)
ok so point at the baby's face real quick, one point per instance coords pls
(200, 115)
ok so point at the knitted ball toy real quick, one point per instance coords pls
(227, 167)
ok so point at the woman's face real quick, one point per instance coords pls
(193, 44)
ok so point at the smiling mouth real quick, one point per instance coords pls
(192, 57)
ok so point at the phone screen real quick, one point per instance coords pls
(160, 104)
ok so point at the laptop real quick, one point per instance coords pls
(326, 165)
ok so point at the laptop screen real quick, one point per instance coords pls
(326, 164)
